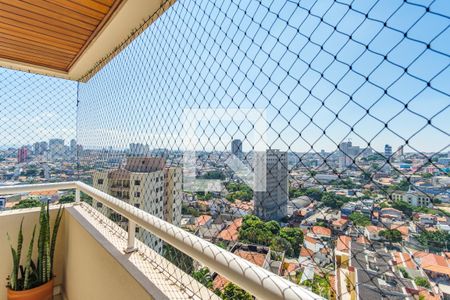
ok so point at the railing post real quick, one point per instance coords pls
(77, 195)
(131, 237)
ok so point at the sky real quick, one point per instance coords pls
(318, 72)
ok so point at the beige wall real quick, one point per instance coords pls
(85, 270)
(90, 272)
(9, 223)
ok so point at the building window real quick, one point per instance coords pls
(136, 230)
(99, 181)
(137, 205)
(99, 205)
(137, 194)
(137, 182)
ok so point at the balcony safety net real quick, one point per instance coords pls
(308, 137)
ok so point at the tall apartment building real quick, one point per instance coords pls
(236, 148)
(387, 150)
(345, 155)
(271, 204)
(56, 148)
(22, 154)
(173, 179)
(147, 184)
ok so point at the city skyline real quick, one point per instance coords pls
(381, 150)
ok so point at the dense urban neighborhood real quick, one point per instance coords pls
(346, 224)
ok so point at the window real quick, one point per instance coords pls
(136, 230)
(137, 205)
(99, 205)
(137, 194)
(100, 181)
(137, 182)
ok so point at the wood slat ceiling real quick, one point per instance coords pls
(51, 33)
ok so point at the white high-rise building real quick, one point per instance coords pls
(271, 204)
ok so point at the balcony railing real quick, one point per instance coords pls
(256, 280)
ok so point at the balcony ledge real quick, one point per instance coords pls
(100, 245)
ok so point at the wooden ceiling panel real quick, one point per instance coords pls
(51, 33)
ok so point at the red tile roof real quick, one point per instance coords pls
(305, 252)
(362, 240)
(254, 257)
(429, 259)
(231, 233)
(321, 231)
(372, 228)
(405, 260)
(343, 243)
(310, 240)
(202, 220)
(340, 222)
(437, 269)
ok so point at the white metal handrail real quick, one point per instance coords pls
(256, 280)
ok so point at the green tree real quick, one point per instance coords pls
(280, 244)
(178, 258)
(321, 223)
(404, 207)
(294, 236)
(401, 186)
(295, 192)
(334, 201)
(319, 285)
(239, 191)
(273, 227)
(27, 203)
(404, 272)
(422, 281)
(359, 219)
(391, 235)
(313, 193)
(436, 240)
(69, 198)
(233, 292)
(213, 175)
(86, 198)
(187, 210)
(203, 276)
(202, 196)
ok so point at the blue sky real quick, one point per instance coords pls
(291, 60)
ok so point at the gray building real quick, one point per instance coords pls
(387, 150)
(57, 148)
(345, 154)
(271, 204)
(236, 148)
